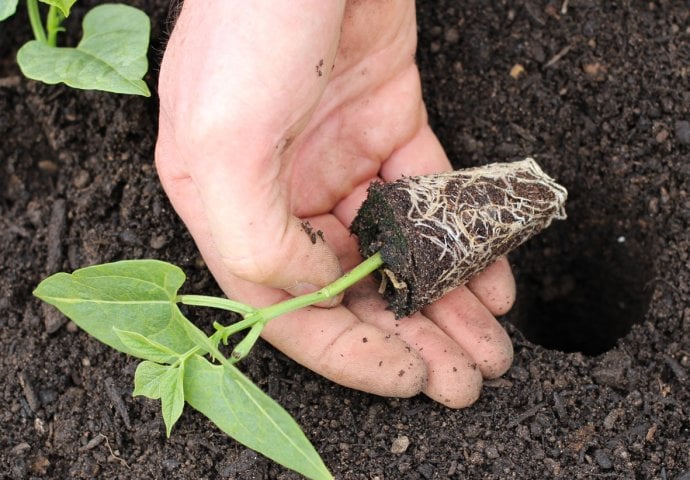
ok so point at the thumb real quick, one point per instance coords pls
(275, 249)
(224, 112)
(242, 224)
(256, 236)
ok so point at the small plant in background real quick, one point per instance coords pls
(424, 235)
(111, 55)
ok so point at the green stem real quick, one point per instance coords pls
(242, 349)
(215, 302)
(35, 20)
(205, 344)
(53, 22)
(334, 289)
(266, 314)
(256, 319)
(224, 332)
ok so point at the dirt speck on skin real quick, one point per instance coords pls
(601, 329)
(313, 234)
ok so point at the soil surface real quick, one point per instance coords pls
(597, 91)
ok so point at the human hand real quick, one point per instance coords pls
(275, 113)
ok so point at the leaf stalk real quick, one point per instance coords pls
(215, 302)
(35, 20)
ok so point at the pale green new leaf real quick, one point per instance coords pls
(147, 379)
(111, 55)
(145, 347)
(172, 396)
(240, 409)
(63, 5)
(7, 8)
(133, 295)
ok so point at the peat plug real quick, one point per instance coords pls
(435, 232)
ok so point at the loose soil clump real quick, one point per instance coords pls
(599, 384)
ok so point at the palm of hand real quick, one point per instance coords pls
(370, 110)
(327, 140)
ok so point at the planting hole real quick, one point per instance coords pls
(583, 283)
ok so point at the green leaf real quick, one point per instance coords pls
(111, 56)
(63, 5)
(147, 379)
(7, 8)
(172, 396)
(133, 295)
(240, 409)
(145, 347)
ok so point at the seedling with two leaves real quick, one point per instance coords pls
(132, 306)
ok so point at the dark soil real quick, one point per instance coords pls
(603, 103)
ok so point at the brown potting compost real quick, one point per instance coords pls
(436, 232)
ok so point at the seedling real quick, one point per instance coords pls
(425, 236)
(111, 55)
(132, 306)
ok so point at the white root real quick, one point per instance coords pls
(483, 209)
(397, 284)
(387, 276)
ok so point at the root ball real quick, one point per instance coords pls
(435, 232)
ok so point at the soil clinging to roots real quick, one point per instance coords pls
(435, 232)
